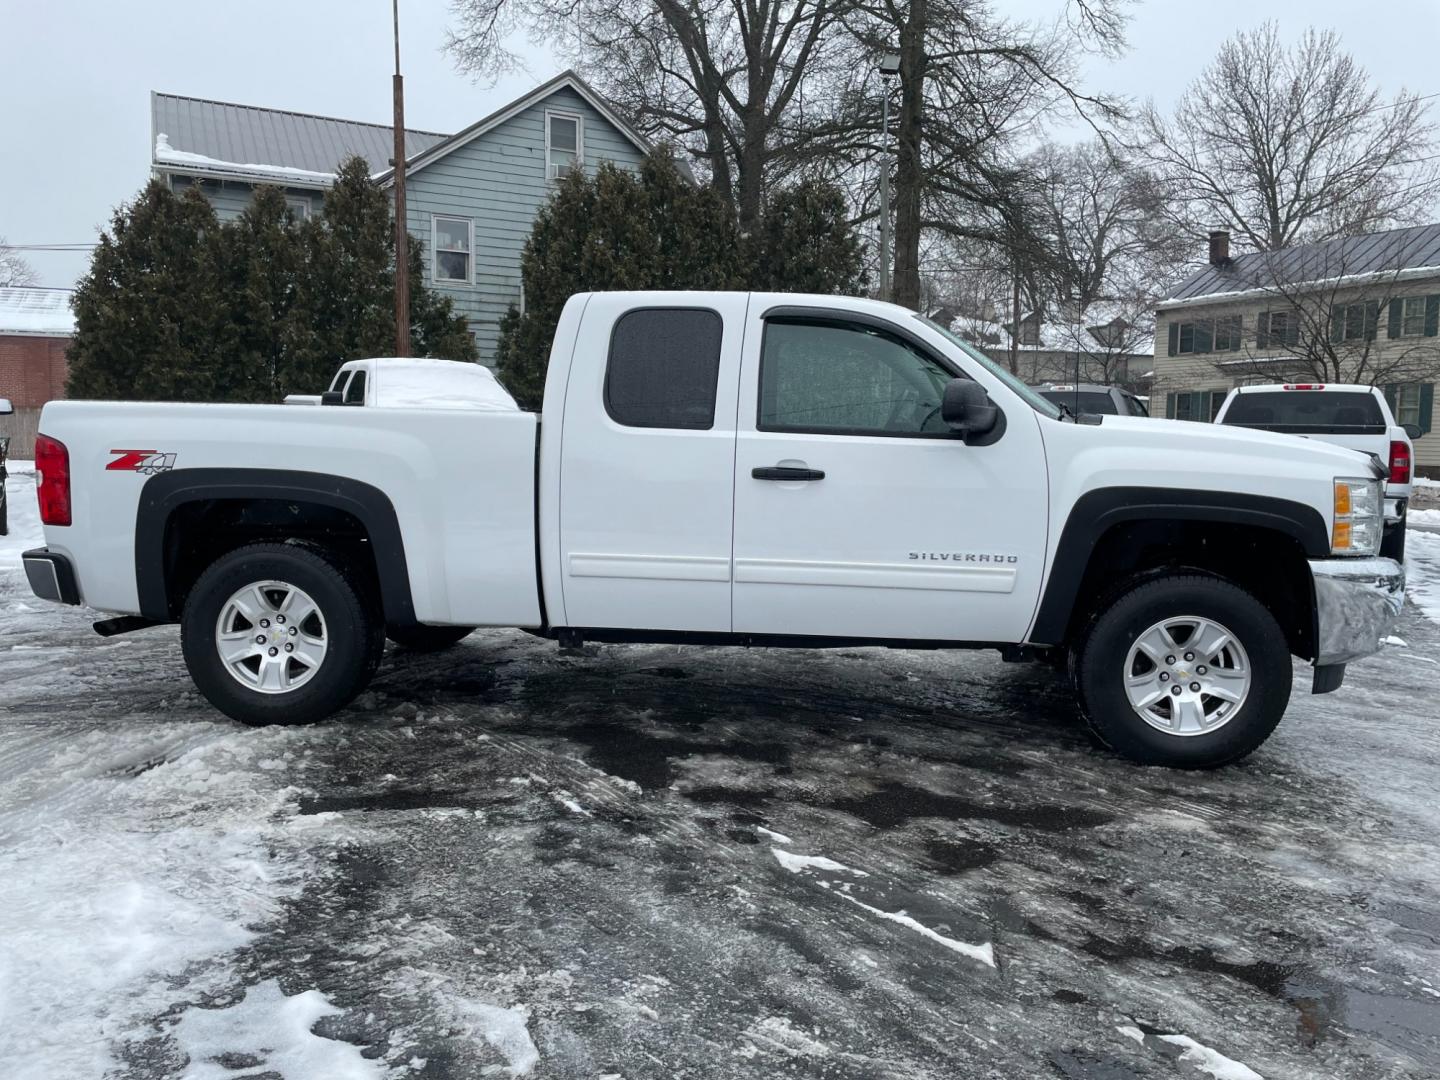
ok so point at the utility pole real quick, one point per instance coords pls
(402, 234)
(889, 68)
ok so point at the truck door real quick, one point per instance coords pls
(857, 513)
(647, 469)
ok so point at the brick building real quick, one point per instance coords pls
(35, 330)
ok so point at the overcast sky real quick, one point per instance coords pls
(75, 78)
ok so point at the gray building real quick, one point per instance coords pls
(471, 196)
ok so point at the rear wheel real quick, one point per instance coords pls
(419, 638)
(279, 634)
(1191, 672)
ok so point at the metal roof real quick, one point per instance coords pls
(249, 135)
(36, 312)
(1378, 253)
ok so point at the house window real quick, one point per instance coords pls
(1412, 316)
(1354, 322)
(1274, 329)
(453, 241)
(1227, 333)
(1201, 405)
(564, 146)
(664, 368)
(299, 206)
(1197, 336)
(1406, 403)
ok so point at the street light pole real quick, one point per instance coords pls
(402, 233)
(889, 68)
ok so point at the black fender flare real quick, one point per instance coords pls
(1095, 512)
(166, 492)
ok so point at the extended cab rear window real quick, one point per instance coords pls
(663, 368)
(1308, 412)
(1086, 401)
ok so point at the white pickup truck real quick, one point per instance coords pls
(732, 469)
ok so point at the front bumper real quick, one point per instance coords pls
(51, 576)
(1356, 603)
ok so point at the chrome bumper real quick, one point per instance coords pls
(1356, 604)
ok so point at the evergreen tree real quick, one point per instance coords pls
(149, 312)
(806, 243)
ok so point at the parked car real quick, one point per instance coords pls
(6, 409)
(412, 382)
(1356, 417)
(1093, 399)
(732, 469)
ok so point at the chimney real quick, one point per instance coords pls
(1220, 247)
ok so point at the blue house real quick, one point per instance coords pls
(471, 197)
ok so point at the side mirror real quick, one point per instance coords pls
(1413, 430)
(5, 407)
(332, 397)
(967, 410)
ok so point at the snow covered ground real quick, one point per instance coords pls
(666, 862)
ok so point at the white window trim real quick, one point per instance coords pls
(301, 205)
(579, 138)
(435, 278)
(1405, 316)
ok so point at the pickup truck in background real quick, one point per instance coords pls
(732, 469)
(412, 382)
(1355, 417)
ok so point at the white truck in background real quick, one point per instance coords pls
(1343, 414)
(732, 469)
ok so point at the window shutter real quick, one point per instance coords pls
(1372, 318)
(1337, 323)
(1432, 315)
(1392, 397)
(1427, 404)
(1262, 331)
(1170, 403)
(1174, 338)
(1203, 412)
(1396, 307)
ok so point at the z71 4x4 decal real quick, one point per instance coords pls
(145, 462)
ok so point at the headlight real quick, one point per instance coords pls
(1359, 517)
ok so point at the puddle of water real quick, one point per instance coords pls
(647, 759)
(395, 799)
(950, 857)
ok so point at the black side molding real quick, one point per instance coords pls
(165, 492)
(1097, 511)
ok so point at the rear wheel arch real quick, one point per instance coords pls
(188, 518)
(1116, 537)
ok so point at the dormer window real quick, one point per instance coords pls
(564, 144)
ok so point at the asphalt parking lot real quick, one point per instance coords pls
(667, 862)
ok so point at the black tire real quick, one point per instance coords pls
(354, 633)
(418, 638)
(1100, 671)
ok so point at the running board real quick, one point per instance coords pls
(123, 624)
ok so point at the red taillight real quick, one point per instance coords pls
(52, 464)
(1303, 386)
(1399, 462)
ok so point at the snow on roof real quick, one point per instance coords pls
(32, 312)
(165, 154)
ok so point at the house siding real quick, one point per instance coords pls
(499, 181)
(1192, 373)
(230, 197)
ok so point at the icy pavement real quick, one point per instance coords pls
(669, 862)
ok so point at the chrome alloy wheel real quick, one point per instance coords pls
(271, 637)
(1187, 675)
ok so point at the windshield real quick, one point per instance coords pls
(1030, 397)
(1309, 412)
(1086, 401)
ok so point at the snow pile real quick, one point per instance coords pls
(25, 530)
(439, 384)
(165, 154)
(1422, 571)
(1202, 1058)
(271, 1032)
(1423, 517)
(797, 863)
(130, 857)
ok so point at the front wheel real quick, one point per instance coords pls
(279, 634)
(1187, 671)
